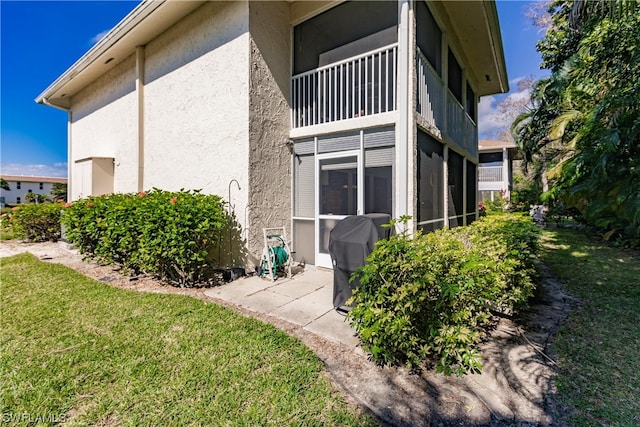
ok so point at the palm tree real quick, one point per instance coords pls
(584, 11)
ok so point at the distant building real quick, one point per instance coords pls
(495, 169)
(20, 186)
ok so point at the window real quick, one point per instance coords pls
(41, 186)
(430, 183)
(472, 181)
(471, 103)
(455, 189)
(429, 36)
(18, 200)
(455, 77)
(304, 177)
(304, 201)
(378, 180)
(490, 159)
(18, 185)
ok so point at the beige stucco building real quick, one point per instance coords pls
(495, 169)
(318, 109)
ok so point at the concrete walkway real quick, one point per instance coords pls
(305, 300)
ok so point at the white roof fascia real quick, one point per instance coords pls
(169, 11)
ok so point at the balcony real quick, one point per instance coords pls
(441, 110)
(431, 94)
(365, 85)
(359, 86)
(491, 178)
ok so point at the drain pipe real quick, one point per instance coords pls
(140, 57)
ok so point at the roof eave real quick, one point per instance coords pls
(491, 13)
(134, 30)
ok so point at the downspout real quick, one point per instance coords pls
(46, 102)
(140, 57)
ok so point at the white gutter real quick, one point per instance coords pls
(493, 26)
(46, 102)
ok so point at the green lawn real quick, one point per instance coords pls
(80, 350)
(599, 344)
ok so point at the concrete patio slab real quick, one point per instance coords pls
(239, 288)
(295, 288)
(305, 309)
(332, 326)
(264, 301)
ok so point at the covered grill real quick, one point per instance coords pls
(350, 242)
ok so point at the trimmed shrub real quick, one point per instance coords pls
(37, 223)
(429, 298)
(173, 235)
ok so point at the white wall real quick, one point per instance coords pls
(196, 103)
(104, 124)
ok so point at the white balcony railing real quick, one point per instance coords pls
(489, 173)
(455, 120)
(431, 101)
(470, 135)
(359, 86)
(437, 105)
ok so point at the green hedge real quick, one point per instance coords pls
(36, 223)
(174, 235)
(428, 298)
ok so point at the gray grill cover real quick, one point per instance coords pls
(350, 242)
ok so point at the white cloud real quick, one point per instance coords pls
(95, 39)
(496, 113)
(57, 170)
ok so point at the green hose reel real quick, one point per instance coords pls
(275, 257)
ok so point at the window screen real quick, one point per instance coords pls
(379, 137)
(357, 26)
(455, 77)
(491, 158)
(429, 36)
(455, 188)
(304, 241)
(303, 186)
(378, 180)
(430, 183)
(471, 103)
(339, 142)
(472, 191)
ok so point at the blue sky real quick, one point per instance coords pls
(39, 40)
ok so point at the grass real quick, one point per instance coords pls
(599, 344)
(80, 351)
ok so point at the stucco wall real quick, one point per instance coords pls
(104, 124)
(269, 123)
(196, 103)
